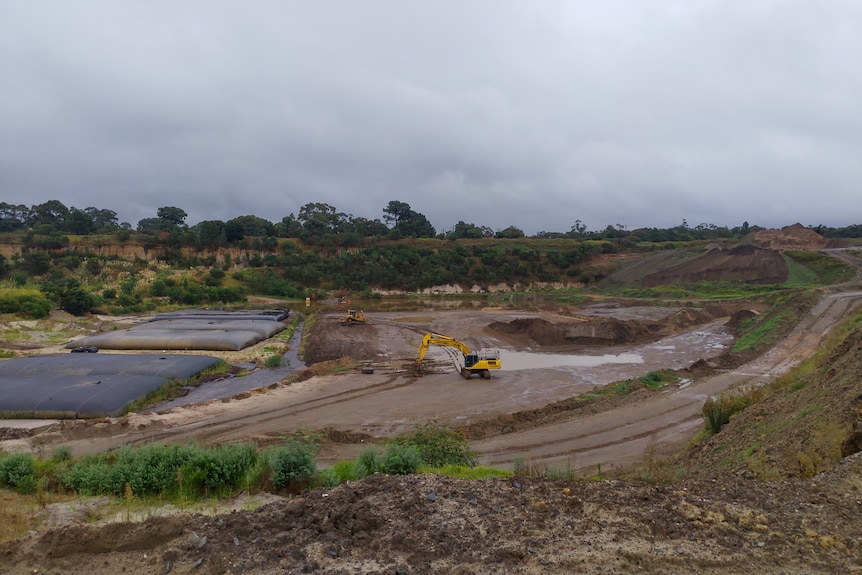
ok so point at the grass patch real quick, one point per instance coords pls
(821, 268)
(763, 333)
(654, 381)
(466, 472)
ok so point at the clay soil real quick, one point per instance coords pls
(606, 519)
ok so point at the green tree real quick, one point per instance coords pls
(13, 218)
(70, 296)
(211, 233)
(79, 222)
(172, 215)
(465, 230)
(250, 226)
(511, 233)
(52, 212)
(103, 220)
(320, 220)
(407, 223)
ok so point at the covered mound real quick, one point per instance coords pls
(213, 330)
(88, 384)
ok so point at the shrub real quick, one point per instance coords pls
(32, 305)
(35, 308)
(292, 464)
(18, 471)
(438, 445)
(220, 468)
(369, 462)
(162, 470)
(61, 453)
(402, 460)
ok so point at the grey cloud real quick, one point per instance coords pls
(504, 113)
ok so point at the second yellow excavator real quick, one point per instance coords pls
(473, 362)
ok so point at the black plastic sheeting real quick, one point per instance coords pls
(212, 330)
(63, 386)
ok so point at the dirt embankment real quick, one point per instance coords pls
(585, 330)
(431, 524)
(745, 263)
(330, 341)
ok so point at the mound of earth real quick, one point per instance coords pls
(796, 237)
(331, 340)
(586, 330)
(433, 524)
(743, 263)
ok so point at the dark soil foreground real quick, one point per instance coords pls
(432, 524)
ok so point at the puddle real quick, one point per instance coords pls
(516, 360)
(673, 352)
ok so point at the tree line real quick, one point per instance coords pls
(318, 222)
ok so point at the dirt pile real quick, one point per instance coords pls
(796, 237)
(744, 263)
(331, 340)
(432, 524)
(587, 330)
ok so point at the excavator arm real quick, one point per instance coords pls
(441, 340)
(473, 363)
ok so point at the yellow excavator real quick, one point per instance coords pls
(473, 362)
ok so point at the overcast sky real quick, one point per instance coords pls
(640, 113)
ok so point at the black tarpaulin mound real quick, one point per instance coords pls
(88, 385)
(213, 330)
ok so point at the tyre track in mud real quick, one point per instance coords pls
(226, 427)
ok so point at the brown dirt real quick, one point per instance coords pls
(725, 521)
(745, 263)
(795, 237)
(432, 524)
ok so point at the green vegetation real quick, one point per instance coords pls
(654, 380)
(820, 269)
(322, 250)
(437, 445)
(184, 473)
(718, 411)
(27, 302)
(762, 331)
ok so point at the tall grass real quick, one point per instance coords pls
(718, 411)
